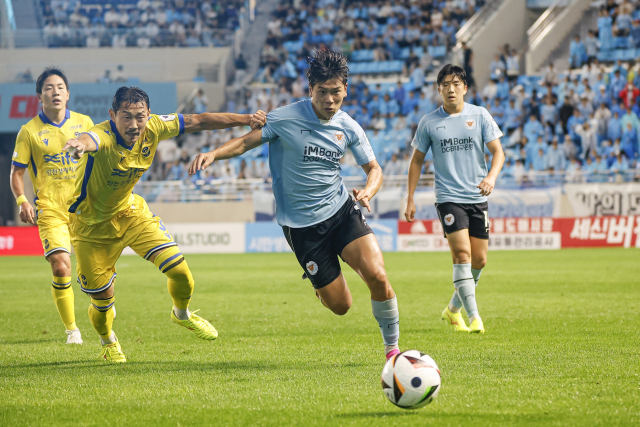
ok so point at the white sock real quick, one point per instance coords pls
(110, 340)
(181, 314)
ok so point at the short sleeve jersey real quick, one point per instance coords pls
(457, 142)
(106, 177)
(52, 171)
(304, 157)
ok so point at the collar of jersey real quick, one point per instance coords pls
(46, 120)
(119, 139)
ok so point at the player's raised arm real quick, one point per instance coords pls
(232, 148)
(85, 143)
(415, 167)
(486, 185)
(374, 181)
(211, 121)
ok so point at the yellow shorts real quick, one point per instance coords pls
(54, 234)
(98, 246)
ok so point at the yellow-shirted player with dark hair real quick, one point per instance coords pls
(106, 216)
(53, 173)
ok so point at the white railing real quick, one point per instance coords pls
(243, 189)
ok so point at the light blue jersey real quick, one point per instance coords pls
(457, 142)
(304, 157)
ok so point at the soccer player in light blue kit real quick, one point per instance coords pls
(456, 133)
(319, 218)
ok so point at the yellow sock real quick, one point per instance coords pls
(62, 293)
(101, 315)
(180, 281)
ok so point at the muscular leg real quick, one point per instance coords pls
(460, 245)
(61, 289)
(479, 250)
(336, 296)
(180, 282)
(365, 257)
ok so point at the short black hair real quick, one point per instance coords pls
(450, 69)
(129, 95)
(48, 72)
(325, 65)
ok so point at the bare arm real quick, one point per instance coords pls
(27, 213)
(415, 167)
(83, 144)
(233, 148)
(374, 181)
(211, 121)
(486, 185)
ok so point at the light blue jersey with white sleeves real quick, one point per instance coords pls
(304, 158)
(457, 142)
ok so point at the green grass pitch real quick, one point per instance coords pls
(562, 346)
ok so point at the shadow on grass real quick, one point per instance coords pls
(136, 367)
(32, 341)
(393, 414)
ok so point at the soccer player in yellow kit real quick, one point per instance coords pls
(106, 216)
(53, 172)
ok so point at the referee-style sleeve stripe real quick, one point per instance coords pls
(93, 138)
(18, 164)
(181, 120)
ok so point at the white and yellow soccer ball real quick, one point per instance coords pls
(411, 379)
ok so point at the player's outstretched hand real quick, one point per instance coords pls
(410, 211)
(362, 197)
(201, 162)
(75, 148)
(27, 214)
(486, 186)
(258, 120)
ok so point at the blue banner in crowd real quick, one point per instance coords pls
(19, 103)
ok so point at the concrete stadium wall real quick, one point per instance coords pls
(507, 25)
(199, 212)
(82, 65)
(554, 34)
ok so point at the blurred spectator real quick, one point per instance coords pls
(119, 76)
(200, 102)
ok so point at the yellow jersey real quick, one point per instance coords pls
(106, 177)
(52, 171)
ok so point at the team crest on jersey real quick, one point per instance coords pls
(168, 118)
(146, 151)
(76, 134)
(339, 138)
(312, 268)
(449, 219)
(470, 124)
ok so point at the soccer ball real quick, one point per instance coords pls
(411, 379)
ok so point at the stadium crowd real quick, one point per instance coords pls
(139, 23)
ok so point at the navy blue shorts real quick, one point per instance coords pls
(318, 246)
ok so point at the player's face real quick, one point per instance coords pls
(327, 97)
(130, 120)
(452, 90)
(55, 95)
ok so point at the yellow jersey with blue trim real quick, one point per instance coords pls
(106, 177)
(53, 172)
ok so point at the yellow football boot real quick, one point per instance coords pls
(476, 327)
(201, 327)
(455, 320)
(112, 353)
